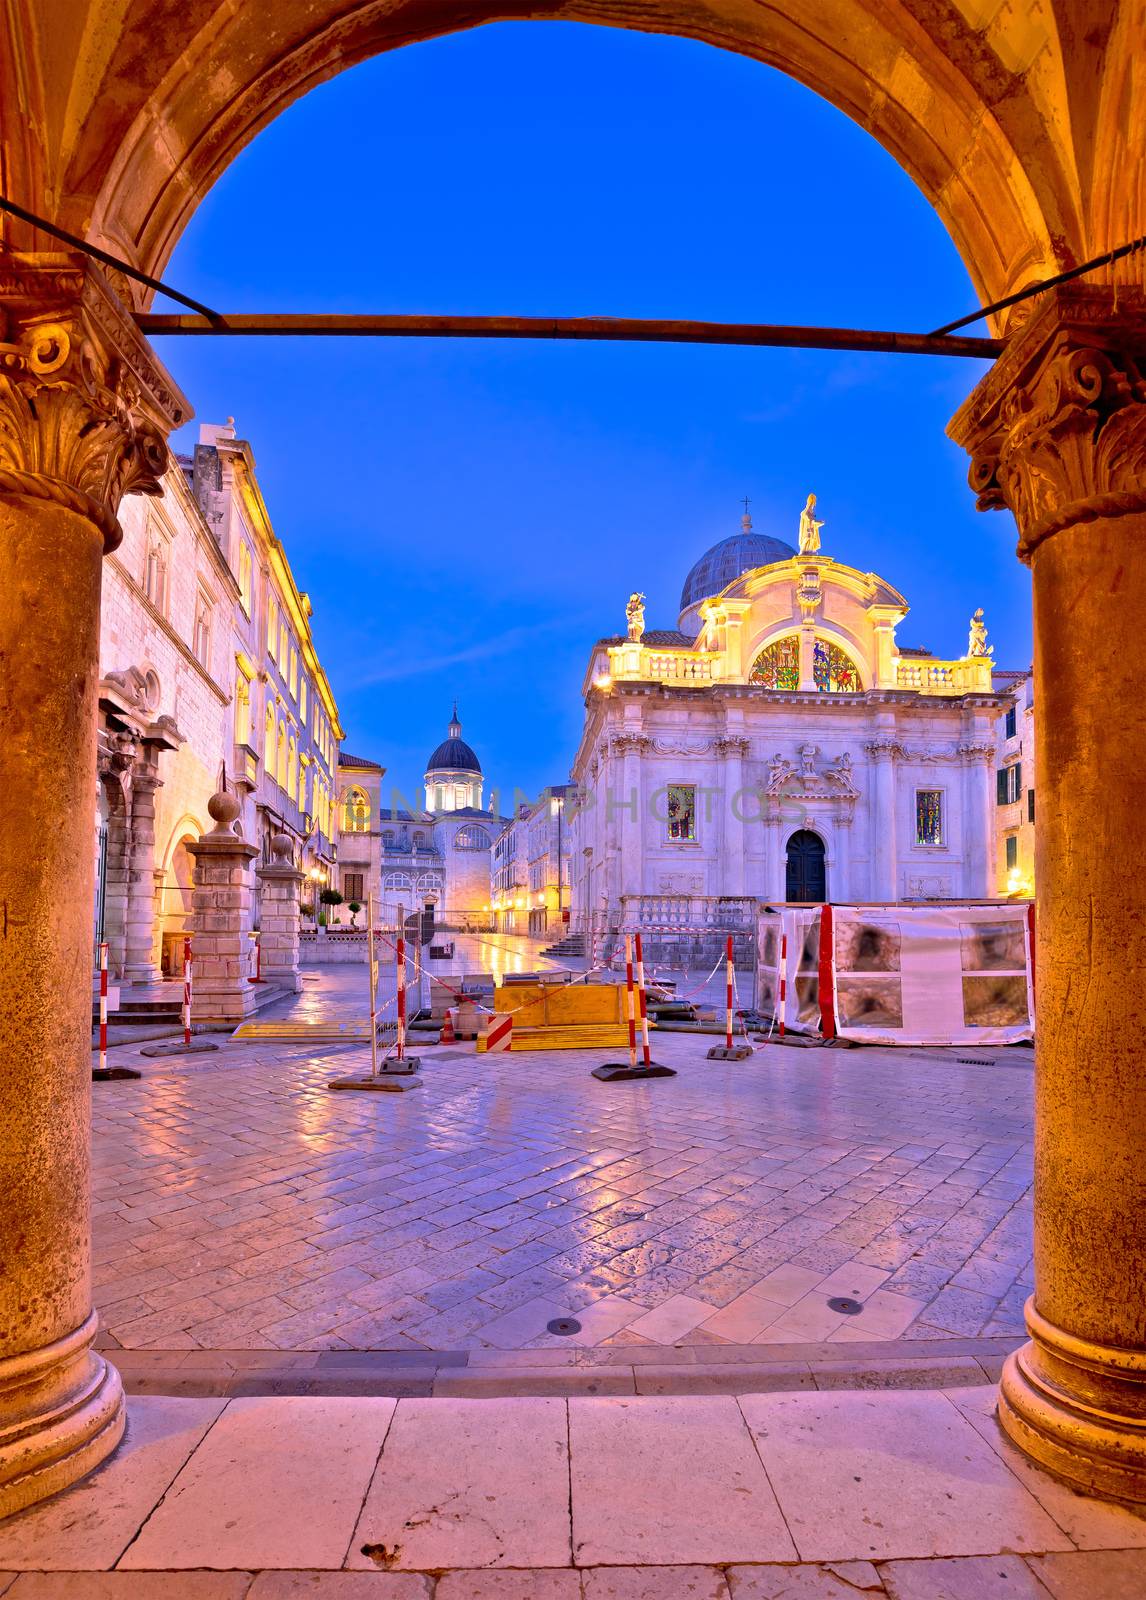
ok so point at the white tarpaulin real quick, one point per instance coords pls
(925, 974)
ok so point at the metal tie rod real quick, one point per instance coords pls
(635, 329)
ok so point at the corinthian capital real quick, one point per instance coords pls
(1056, 431)
(85, 408)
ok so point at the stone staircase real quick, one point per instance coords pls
(573, 944)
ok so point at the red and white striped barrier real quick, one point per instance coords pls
(258, 943)
(646, 1054)
(783, 990)
(630, 1000)
(729, 980)
(401, 957)
(103, 1008)
(499, 1033)
(186, 992)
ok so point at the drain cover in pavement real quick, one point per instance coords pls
(849, 1308)
(563, 1325)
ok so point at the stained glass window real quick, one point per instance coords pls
(834, 672)
(681, 811)
(778, 665)
(929, 816)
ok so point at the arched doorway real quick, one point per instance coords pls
(805, 875)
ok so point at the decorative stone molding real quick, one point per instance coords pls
(885, 750)
(625, 743)
(85, 408)
(1056, 431)
(731, 745)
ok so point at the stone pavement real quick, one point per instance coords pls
(911, 1496)
(239, 1205)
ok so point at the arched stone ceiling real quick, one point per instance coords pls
(1013, 116)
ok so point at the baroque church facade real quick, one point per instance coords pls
(779, 744)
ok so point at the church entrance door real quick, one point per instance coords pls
(806, 878)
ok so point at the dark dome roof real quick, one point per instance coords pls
(454, 754)
(724, 563)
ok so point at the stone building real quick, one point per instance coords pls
(1014, 841)
(531, 865)
(781, 744)
(359, 833)
(207, 666)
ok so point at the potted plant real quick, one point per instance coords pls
(355, 908)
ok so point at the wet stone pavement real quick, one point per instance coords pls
(240, 1205)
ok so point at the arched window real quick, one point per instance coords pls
(242, 709)
(356, 811)
(281, 768)
(471, 839)
(269, 745)
(246, 583)
(292, 770)
(155, 576)
(778, 665)
(834, 670)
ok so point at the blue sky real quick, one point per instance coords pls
(469, 516)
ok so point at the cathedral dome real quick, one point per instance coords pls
(724, 563)
(454, 754)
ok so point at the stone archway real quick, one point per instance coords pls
(977, 115)
(1021, 130)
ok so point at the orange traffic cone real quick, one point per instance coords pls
(447, 1035)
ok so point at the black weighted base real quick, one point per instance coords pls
(392, 1083)
(721, 1052)
(112, 1074)
(196, 1047)
(621, 1072)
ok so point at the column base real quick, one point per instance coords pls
(1078, 1409)
(61, 1413)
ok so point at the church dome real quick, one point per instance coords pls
(454, 754)
(724, 563)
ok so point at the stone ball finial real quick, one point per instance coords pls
(223, 808)
(281, 846)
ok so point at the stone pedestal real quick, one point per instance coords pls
(220, 918)
(1057, 432)
(279, 917)
(81, 423)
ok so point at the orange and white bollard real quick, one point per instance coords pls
(728, 996)
(447, 1035)
(186, 992)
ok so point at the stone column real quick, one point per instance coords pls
(733, 748)
(978, 834)
(1057, 433)
(140, 965)
(220, 918)
(884, 849)
(83, 413)
(775, 834)
(279, 917)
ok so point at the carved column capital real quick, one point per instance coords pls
(85, 408)
(1056, 431)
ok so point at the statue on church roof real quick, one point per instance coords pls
(977, 645)
(809, 528)
(635, 615)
